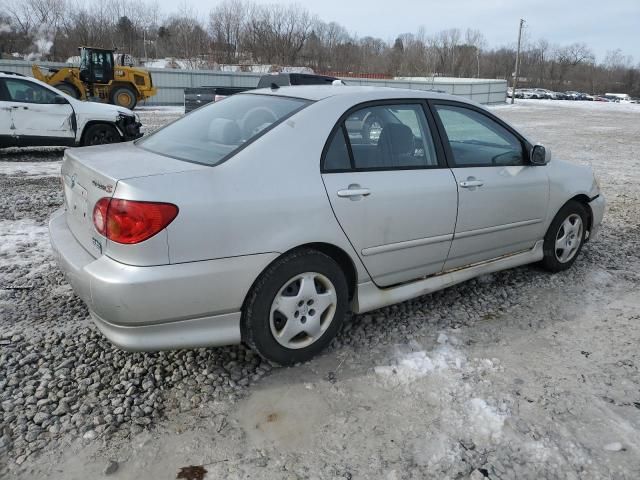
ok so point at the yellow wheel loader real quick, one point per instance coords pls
(99, 79)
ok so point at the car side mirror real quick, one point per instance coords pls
(58, 100)
(540, 155)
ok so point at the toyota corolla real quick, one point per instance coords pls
(268, 217)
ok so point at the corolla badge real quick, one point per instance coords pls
(101, 186)
(73, 180)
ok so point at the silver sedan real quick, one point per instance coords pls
(270, 216)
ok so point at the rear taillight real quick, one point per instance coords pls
(130, 221)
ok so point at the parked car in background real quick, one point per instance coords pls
(267, 217)
(573, 95)
(544, 93)
(197, 96)
(528, 93)
(33, 113)
(618, 96)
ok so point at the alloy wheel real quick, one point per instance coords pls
(302, 310)
(568, 238)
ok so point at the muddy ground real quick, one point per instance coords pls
(519, 374)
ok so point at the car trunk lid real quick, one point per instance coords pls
(89, 174)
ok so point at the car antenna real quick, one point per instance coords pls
(274, 86)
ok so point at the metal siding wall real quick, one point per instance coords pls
(171, 83)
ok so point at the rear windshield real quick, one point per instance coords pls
(212, 133)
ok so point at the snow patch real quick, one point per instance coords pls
(24, 242)
(31, 169)
(484, 420)
(413, 365)
(448, 379)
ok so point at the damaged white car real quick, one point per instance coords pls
(33, 113)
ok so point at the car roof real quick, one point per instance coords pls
(11, 74)
(320, 92)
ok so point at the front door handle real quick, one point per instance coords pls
(354, 191)
(471, 183)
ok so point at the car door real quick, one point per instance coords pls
(502, 198)
(6, 119)
(37, 114)
(391, 191)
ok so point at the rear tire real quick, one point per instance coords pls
(565, 237)
(124, 96)
(100, 134)
(296, 307)
(69, 89)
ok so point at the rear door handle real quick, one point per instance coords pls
(471, 183)
(354, 191)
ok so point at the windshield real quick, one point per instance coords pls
(212, 133)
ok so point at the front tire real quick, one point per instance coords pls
(296, 307)
(100, 134)
(565, 237)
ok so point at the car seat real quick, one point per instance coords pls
(396, 147)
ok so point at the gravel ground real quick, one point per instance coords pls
(519, 374)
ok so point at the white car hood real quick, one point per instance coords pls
(99, 109)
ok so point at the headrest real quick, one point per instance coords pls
(398, 138)
(224, 131)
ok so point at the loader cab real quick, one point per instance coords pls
(96, 65)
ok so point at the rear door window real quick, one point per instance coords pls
(337, 155)
(214, 132)
(390, 136)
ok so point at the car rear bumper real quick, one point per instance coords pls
(597, 205)
(162, 307)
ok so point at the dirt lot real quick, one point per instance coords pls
(520, 374)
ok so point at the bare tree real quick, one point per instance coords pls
(226, 24)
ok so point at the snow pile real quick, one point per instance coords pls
(31, 169)
(447, 379)
(200, 64)
(175, 63)
(413, 365)
(485, 421)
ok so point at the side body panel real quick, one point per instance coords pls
(504, 215)
(403, 229)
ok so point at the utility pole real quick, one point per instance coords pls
(515, 74)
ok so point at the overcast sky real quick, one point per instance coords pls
(603, 25)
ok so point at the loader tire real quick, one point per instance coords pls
(124, 96)
(67, 88)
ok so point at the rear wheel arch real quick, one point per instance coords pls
(341, 257)
(337, 254)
